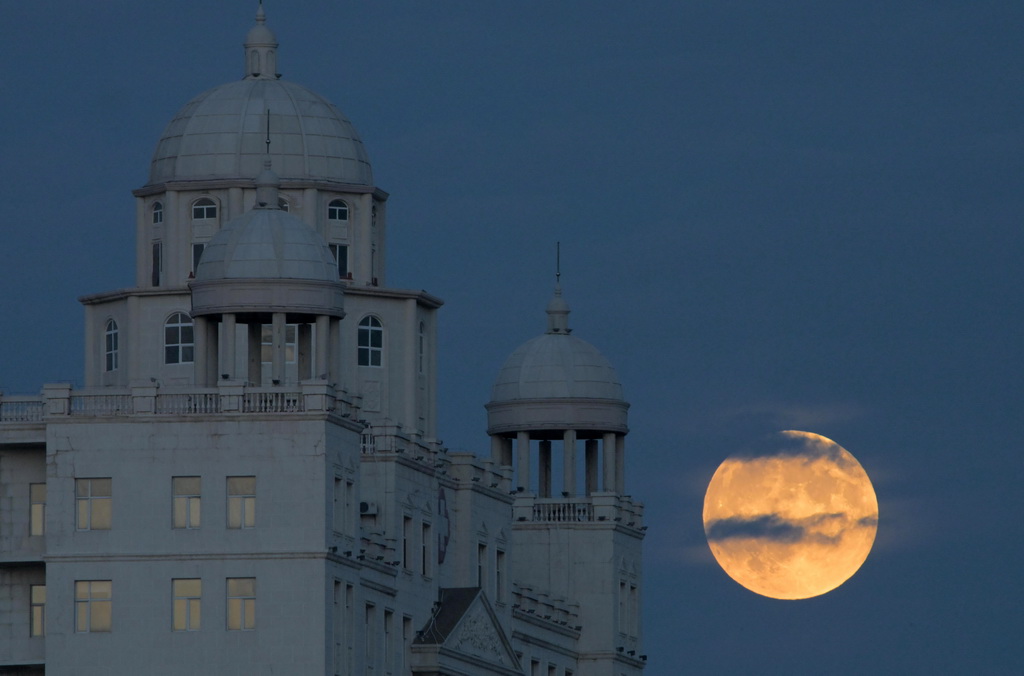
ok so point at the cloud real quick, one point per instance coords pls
(793, 414)
(775, 528)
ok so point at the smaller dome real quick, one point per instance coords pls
(556, 382)
(267, 244)
(267, 261)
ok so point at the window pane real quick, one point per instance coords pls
(100, 487)
(100, 514)
(39, 593)
(100, 617)
(193, 512)
(82, 510)
(180, 514)
(188, 587)
(82, 488)
(249, 613)
(375, 359)
(37, 622)
(234, 513)
(171, 355)
(194, 614)
(186, 334)
(81, 590)
(234, 613)
(37, 492)
(186, 485)
(186, 354)
(241, 485)
(241, 586)
(100, 589)
(82, 616)
(171, 335)
(180, 608)
(250, 512)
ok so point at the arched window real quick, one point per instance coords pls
(110, 345)
(158, 213)
(371, 341)
(204, 209)
(179, 344)
(337, 210)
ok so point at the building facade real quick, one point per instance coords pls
(251, 480)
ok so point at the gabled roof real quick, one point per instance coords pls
(464, 635)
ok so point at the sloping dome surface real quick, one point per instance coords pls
(267, 244)
(554, 366)
(222, 133)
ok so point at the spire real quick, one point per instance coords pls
(558, 309)
(260, 49)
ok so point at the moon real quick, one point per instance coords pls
(794, 520)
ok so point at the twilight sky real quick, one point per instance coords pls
(796, 215)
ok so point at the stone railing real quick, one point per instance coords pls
(21, 409)
(600, 507)
(153, 400)
(563, 510)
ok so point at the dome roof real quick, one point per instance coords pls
(555, 366)
(267, 244)
(267, 261)
(556, 381)
(222, 133)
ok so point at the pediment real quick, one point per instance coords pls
(464, 632)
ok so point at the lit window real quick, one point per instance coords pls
(186, 611)
(371, 341)
(187, 501)
(92, 605)
(179, 344)
(37, 626)
(290, 343)
(93, 500)
(110, 345)
(158, 213)
(204, 209)
(241, 502)
(241, 603)
(37, 509)
(337, 210)
(340, 253)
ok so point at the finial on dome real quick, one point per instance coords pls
(260, 49)
(558, 309)
(267, 185)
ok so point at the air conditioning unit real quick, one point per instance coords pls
(368, 508)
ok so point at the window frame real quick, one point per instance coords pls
(88, 501)
(37, 610)
(186, 605)
(36, 510)
(245, 501)
(184, 350)
(157, 213)
(339, 207)
(244, 600)
(189, 502)
(89, 601)
(110, 346)
(205, 204)
(369, 331)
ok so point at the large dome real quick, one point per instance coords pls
(222, 133)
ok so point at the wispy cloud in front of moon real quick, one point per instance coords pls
(822, 529)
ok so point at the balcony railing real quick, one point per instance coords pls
(21, 409)
(563, 511)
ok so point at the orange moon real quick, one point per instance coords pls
(793, 522)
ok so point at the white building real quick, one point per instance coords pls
(252, 482)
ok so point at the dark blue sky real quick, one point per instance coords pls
(773, 215)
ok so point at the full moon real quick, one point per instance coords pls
(793, 521)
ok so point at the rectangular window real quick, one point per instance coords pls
(634, 611)
(92, 606)
(623, 621)
(187, 500)
(371, 633)
(241, 603)
(37, 509)
(187, 597)
(552, 669)
(481, 565)
(92, 504)
(339, 505)
(290, 343)
(158, 263)
(425, 549)
(406, 642)
(340, 252)
(338, 629)
(37, 626)
(389, 648)
(499, 576)
(241, 502)
(197, 253)
(407, 543)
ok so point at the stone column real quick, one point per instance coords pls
(620, 464)
(591, 461)
(228, 326)
(277, 345)
(544, 469)
(569, 462)
(608, 451)
(523, 461)
(497, 450)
